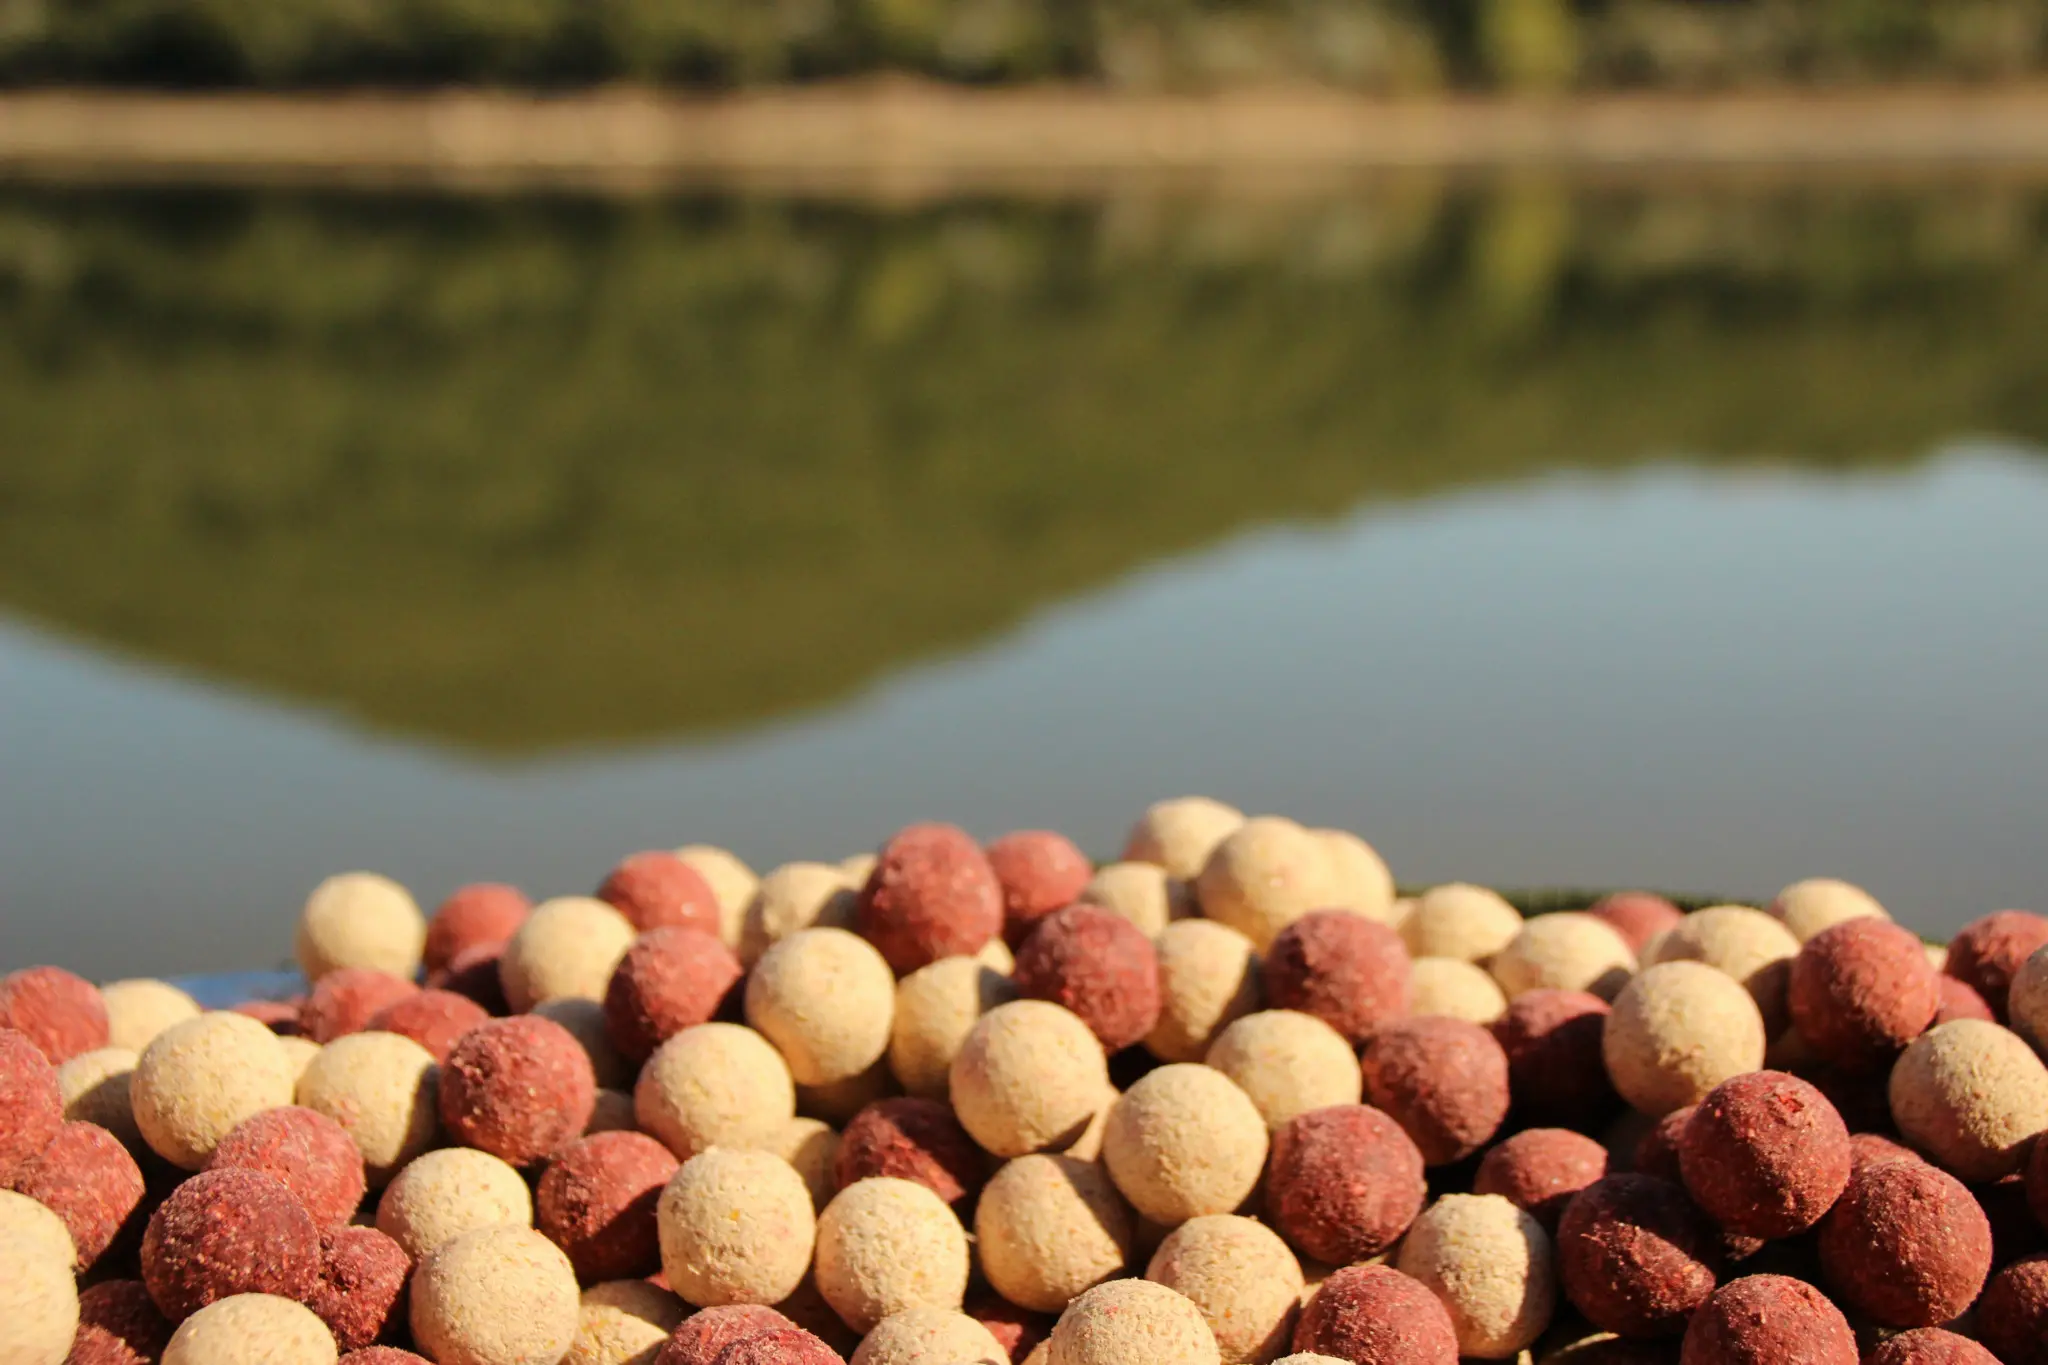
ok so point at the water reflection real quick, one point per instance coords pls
(1548, 534)
(527, 475)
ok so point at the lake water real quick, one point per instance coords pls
(1547, 534)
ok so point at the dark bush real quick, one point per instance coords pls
(1360, 44)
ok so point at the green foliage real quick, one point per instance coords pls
(1685, 43)
(1386, 45)
(520, 473)
(1530, 44)
(965, 37)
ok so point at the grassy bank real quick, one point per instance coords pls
(519, 473)
(1376, 45)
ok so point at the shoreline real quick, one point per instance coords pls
(910, 137)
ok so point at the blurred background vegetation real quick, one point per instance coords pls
(516, 473)
(1367, 45)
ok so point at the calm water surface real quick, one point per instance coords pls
(1545, 535)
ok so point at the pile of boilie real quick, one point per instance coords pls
(1230, 1098)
